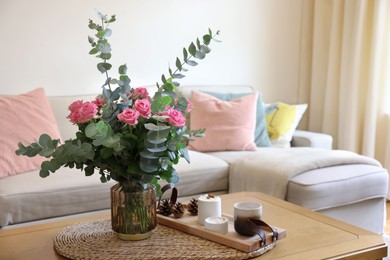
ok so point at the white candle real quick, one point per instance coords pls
(208, 206)
(217, 224)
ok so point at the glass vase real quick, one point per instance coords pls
(133, 211)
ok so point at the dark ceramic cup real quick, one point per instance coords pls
(243, 211)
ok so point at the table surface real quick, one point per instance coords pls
(310, 235)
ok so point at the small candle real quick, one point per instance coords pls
(209, 205)
(217, 224)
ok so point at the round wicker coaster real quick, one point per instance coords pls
(96, 240)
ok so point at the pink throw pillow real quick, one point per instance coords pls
(230, 125)
(23, 119)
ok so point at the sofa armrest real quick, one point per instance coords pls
(311, 139)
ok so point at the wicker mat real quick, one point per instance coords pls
(96, 240)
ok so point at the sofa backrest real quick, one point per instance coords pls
(186, 90)
(60, 104)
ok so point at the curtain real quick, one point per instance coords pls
(349, 71)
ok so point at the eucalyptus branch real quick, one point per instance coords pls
(198, 51)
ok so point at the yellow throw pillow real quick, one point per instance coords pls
(282, 120)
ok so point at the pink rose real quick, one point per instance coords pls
(82, 112)
(74, 116)
(140, 93)
(143, 107)
(176, 118)
(75, 105)
(129, 116)
(98, 102)
(88, 111)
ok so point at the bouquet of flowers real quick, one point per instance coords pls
(125, 134)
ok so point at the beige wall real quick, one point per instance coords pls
(44, 43)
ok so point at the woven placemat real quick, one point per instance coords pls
(96, 240)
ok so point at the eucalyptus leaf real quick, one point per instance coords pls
(149, 165)
(204, 49)
(178, 76)
(198, 43)
(185, 54)
(178, 64)
(192, 49)
(104, 47)
(122, 69)
(154, 127)
(207, 39)
(191, 63)
(200, 55)
(93, 51)
(158, 135)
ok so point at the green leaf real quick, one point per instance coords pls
(157, 149)
(206, 39)
(44, 173)
(100, 34)
(104, 66)
(106, 152)
(185, 54)
(30, 151)
(47, 144)
(122, 69)
(163, 79)
(204, 49)
(125, 79)
(158, 105)
(92, 25)
(51, 165)
(178, 64)
(93, 51)
(198, 43)
(150, 155)
(90, 40)
(149, 165)
(153, 127)
(168, 87)
(200, 55)
(104, 47)
(112, 19)
(89, 170)
(192, 49)
(178, 76)
(191, 63)
(105, 56)
(184, 153)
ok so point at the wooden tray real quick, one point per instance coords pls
(189, 224)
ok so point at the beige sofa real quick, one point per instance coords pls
(354, 192)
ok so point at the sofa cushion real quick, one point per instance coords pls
(27, 197)
(205, 174)
(338, 185)
(261, 133)
(27, 116)
(230, 125)
(69, 191)
(282, 120)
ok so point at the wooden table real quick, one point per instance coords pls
(309, 235)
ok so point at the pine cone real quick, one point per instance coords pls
(165, 207)
(193, 207)
(178, 210)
